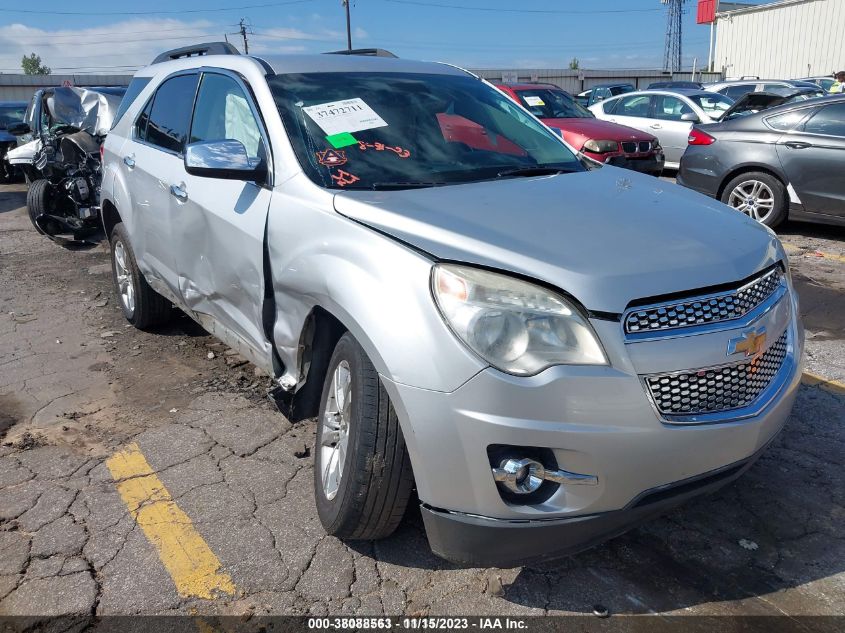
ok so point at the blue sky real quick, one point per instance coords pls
(529, 33)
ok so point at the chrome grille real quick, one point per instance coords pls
(718, 388)
(645, 146)
(725, 306)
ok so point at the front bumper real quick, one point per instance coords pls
(596, 421)
(652, 165)
(477, 541)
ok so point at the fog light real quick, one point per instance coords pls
(521, 476)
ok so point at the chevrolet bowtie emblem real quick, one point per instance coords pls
(751, 343)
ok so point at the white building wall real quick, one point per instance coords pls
(782, 40)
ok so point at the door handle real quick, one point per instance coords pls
(129, 161)
(179, 191)
(797, 145)
(656, 126)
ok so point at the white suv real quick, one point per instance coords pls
(549, 353)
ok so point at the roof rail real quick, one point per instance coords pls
(195, 50)
(369, 52)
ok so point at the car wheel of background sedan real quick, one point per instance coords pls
(362, 472)
(758, 195)
(142, 306)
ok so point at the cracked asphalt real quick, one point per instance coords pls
(78, 386)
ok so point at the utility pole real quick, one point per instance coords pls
(674, 22)
(242, 24)
(348, 26)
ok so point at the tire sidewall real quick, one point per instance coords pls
(332, 511)
(37, 198)
(779, 210)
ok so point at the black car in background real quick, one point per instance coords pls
(11, 113)
(786, 161)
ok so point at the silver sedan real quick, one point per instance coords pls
(668, 114)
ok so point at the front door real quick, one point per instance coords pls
(668, 126)
(220, 224)
(812, 157)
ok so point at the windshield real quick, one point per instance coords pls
(397, 130)
(9, 115)
(548, 103)
(713, 104)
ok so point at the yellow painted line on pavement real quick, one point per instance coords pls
(192, 565)
(814, 380)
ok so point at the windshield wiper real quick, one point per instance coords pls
(527, 172)
(384, 186)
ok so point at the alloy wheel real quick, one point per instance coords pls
(754, 198)
(335, 431)
(124, 278)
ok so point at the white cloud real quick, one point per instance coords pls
(124, 46)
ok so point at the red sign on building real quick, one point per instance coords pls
(707, 11)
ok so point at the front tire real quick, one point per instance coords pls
(142, 306)
(38, 201)
(362, 472)
(758, 195)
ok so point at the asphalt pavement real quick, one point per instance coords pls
(148, 473)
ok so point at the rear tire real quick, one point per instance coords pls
(758, 195)
(358, 432)
(38, 201)
(142, 306)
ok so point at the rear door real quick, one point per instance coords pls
(152, 156)
(813, 158)
(220, 223)
(632, 111)
(668, 127)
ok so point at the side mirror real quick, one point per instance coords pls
(223, 159)
(692, 117)
(19, 129)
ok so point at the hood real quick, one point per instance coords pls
(84, 109)
(586, 129)
(755, 102)
(607, 236)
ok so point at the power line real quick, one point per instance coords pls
(181, 11)
(498, 10)
(121, 41)
(76, 36)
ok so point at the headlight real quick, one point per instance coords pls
(518, 327)
(601, 147)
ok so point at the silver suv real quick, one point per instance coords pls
(548, 353)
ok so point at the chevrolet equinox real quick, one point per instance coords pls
(549, 353)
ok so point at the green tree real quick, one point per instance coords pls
(32, 65)
(573, 65)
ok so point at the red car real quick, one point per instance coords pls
(602, 141)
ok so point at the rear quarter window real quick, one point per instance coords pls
(786, 121)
